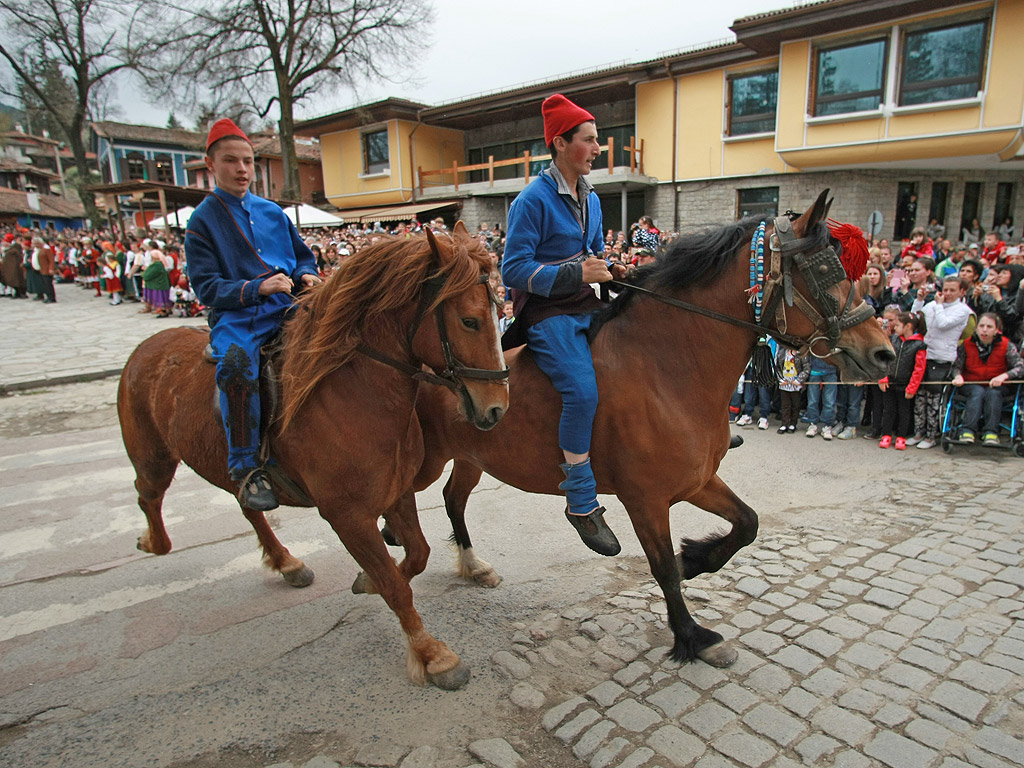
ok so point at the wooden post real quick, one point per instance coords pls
(163, 212)
(611, 154)
(641, 157)
(455, 173)
(490, 170)
(632, 154)
(526, 162)
(419, 172)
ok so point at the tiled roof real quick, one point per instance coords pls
(13, 166)
(783, 11)
(148, 134)
(13, 201)
(270, 146)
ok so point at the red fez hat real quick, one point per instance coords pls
(561, 115)
(8, 238)
(224, 128)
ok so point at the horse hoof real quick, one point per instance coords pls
(303, 577)
(718, 655)
(389, 536)
(452, 679)
(362, 585)
(489, 579)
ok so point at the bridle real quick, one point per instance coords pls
(821, 270)
(454, 371)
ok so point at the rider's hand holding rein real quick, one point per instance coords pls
(279, 283)
(595, 270)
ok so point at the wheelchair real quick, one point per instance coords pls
(1011, 421)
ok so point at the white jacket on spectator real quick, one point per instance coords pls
(946, 321)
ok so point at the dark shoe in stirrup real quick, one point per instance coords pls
(737, 440)
(255, 492)
(595, 532)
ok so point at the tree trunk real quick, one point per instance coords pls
(84, 176)
(289, 158)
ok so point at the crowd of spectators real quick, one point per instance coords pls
(928, 292)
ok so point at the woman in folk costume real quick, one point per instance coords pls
(551, 258)
(12, 270)
(89, 264)
(156, 280)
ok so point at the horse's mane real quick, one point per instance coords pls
(696, 259)
(328, 321)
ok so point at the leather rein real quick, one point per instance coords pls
(821, 270)
(454, 371)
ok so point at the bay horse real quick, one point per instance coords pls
(348, 436)
(665, 377)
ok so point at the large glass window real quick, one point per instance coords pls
(759, 201)
(943, 64)
(752, 100)
(850, 78)
(375, 152)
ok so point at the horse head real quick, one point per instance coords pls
(830, 313)
(463, 346)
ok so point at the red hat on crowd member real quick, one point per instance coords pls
(561, 115)
(9, 237)
(224, 128)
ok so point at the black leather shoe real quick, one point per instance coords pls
(595, 532)
(736, 441)
(255, 491)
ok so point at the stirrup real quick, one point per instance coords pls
(595, 532)
(255, 491)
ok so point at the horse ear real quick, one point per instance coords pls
(812, 215)
(433, 244)
(460, 229)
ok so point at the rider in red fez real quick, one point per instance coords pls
(244, 257)
(551, 258)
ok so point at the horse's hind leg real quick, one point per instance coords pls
(427, 659)
(708, 555)
(152, 479)
(692, 641)
(461, 482)
(276, 554)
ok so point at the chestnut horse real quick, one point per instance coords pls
(665, 376)
(351, 365)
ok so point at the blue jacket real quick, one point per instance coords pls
(543, 233)
(226, 269)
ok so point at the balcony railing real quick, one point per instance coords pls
(634, 152)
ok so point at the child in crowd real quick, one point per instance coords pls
(506, 317)
(906, 373)
(184, 299)
(112, 278)
(793, 372)
(888, 319)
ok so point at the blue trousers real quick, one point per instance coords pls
(560, 347)
(821, 400)
(848, 401)
(236, 339)
(982, 399)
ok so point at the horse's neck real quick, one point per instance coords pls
(690, 348)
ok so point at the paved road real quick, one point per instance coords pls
(79, 337)
(879, 619)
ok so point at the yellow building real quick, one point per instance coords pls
(908, 111)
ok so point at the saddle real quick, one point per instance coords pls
(270, 408)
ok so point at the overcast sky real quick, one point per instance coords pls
(477, 46)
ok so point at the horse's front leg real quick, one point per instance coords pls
(708, 555)
(692, 641)
(427, 659)
(460, 485)
(401, 528)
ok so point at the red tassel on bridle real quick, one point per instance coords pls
(854, 254)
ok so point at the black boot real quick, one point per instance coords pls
(595, 532)
(255, 491)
